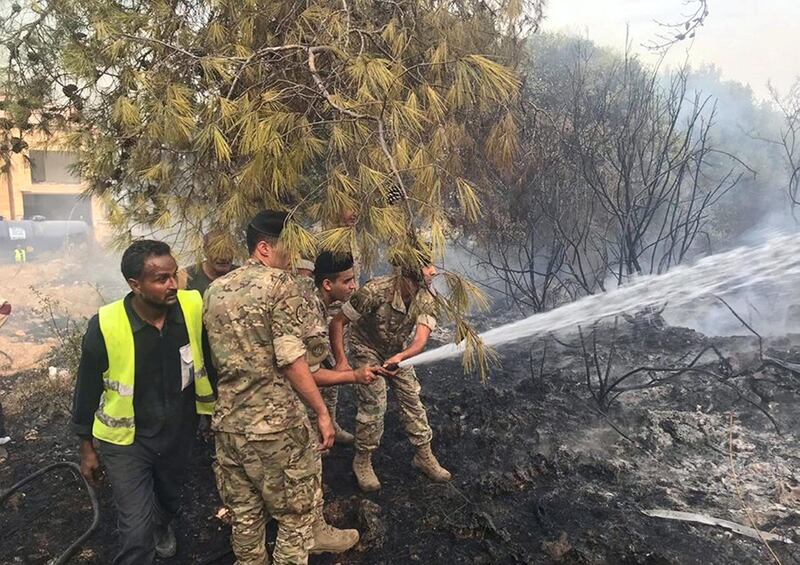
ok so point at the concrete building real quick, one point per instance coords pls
(42, 183)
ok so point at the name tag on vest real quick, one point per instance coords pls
(187, 366)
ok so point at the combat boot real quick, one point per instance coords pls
(343, 437)
(330, 539)
(366, 477)
(426, 462)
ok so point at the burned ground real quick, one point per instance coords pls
(540, 474)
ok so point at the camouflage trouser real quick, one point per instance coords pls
(330, 395)
(371, 401)
(279, 475)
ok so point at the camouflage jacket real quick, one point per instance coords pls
(257, 319)
(326, 312)
(379, 318)
(316, 332)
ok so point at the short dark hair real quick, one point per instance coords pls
(134, 257)
(254, 237)
(265, 226)
(330, 265)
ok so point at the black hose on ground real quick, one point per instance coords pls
(72, 549)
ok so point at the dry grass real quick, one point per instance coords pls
(47, 389)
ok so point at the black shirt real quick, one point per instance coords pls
(159, 405)
(198, 279)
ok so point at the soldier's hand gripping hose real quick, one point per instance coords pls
(366, 375)
(390, 369)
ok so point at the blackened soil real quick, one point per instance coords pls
(540, 475)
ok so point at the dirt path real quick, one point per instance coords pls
(45, 296)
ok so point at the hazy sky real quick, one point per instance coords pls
(751, 41)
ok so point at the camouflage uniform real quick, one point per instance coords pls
(380, 326)
(256, 318)
(331, 393)
(317, 330)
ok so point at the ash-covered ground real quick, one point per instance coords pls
(541, 474)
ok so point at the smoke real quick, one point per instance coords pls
(764, 309)
(771, 309)
(773, 264)
(755, 211)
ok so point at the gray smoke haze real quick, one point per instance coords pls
(757, 210)
(773, 264)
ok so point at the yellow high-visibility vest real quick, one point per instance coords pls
(20, 256)
(114, 420)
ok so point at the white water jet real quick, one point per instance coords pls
(775, 262)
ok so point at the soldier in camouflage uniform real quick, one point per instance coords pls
(331, 394)
(382, 315)
(328, 299)
(268, 460)
(347, 219)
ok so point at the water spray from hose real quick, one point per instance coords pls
(775, 262)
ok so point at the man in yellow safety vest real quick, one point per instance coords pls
(142, 381)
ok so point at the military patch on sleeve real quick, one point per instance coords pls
(316, 350)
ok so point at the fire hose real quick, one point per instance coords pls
(72, 549)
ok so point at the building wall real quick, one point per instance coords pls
(20, 180)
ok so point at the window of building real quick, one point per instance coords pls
(53, 166)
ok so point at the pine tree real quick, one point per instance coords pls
(190, 114)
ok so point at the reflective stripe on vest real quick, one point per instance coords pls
(192, 305)
(114, 420)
